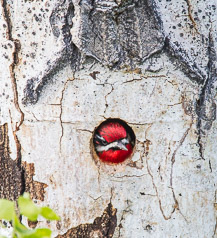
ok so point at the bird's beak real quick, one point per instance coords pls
(122, 146)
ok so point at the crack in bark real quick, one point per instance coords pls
(144, 77)
(153, 183)
(111, 196)
(130, 176)
(106, 103)
(175, 104)
(215, 229)
(210, 165)
(15, 59)
(156, 190)
(18, 149)
(148, 194)
(176, 206)
(190, 15)
(85, 130)
(99, 175)
(61, 111)
(37, 120)
(140, 124)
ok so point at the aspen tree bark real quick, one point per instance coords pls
(67, 66)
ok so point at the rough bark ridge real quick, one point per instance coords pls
(206, 107)
(118, 34)
(121, 34)
(102, 227)
(61, 22)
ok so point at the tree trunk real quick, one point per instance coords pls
(69, 65)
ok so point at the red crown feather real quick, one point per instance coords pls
(112, 131)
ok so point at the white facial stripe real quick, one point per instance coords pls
(101, 148)
(116, 144)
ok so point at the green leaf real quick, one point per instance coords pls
(37, 233)
(28, 208)
(2, 236)
(6, 209)
(18, 227)
(49, 214)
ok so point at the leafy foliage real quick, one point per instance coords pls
(31, 211)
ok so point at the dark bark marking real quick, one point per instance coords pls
(102, 227)
(14, 178)
(35, 188)
(11, 174)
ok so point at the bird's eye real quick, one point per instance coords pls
(104, 142)
(100, 140)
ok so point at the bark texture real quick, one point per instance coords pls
(71, 64)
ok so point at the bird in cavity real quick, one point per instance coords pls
(113, 143)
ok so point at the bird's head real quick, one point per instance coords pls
(113, 142)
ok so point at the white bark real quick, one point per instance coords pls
(165, 89)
